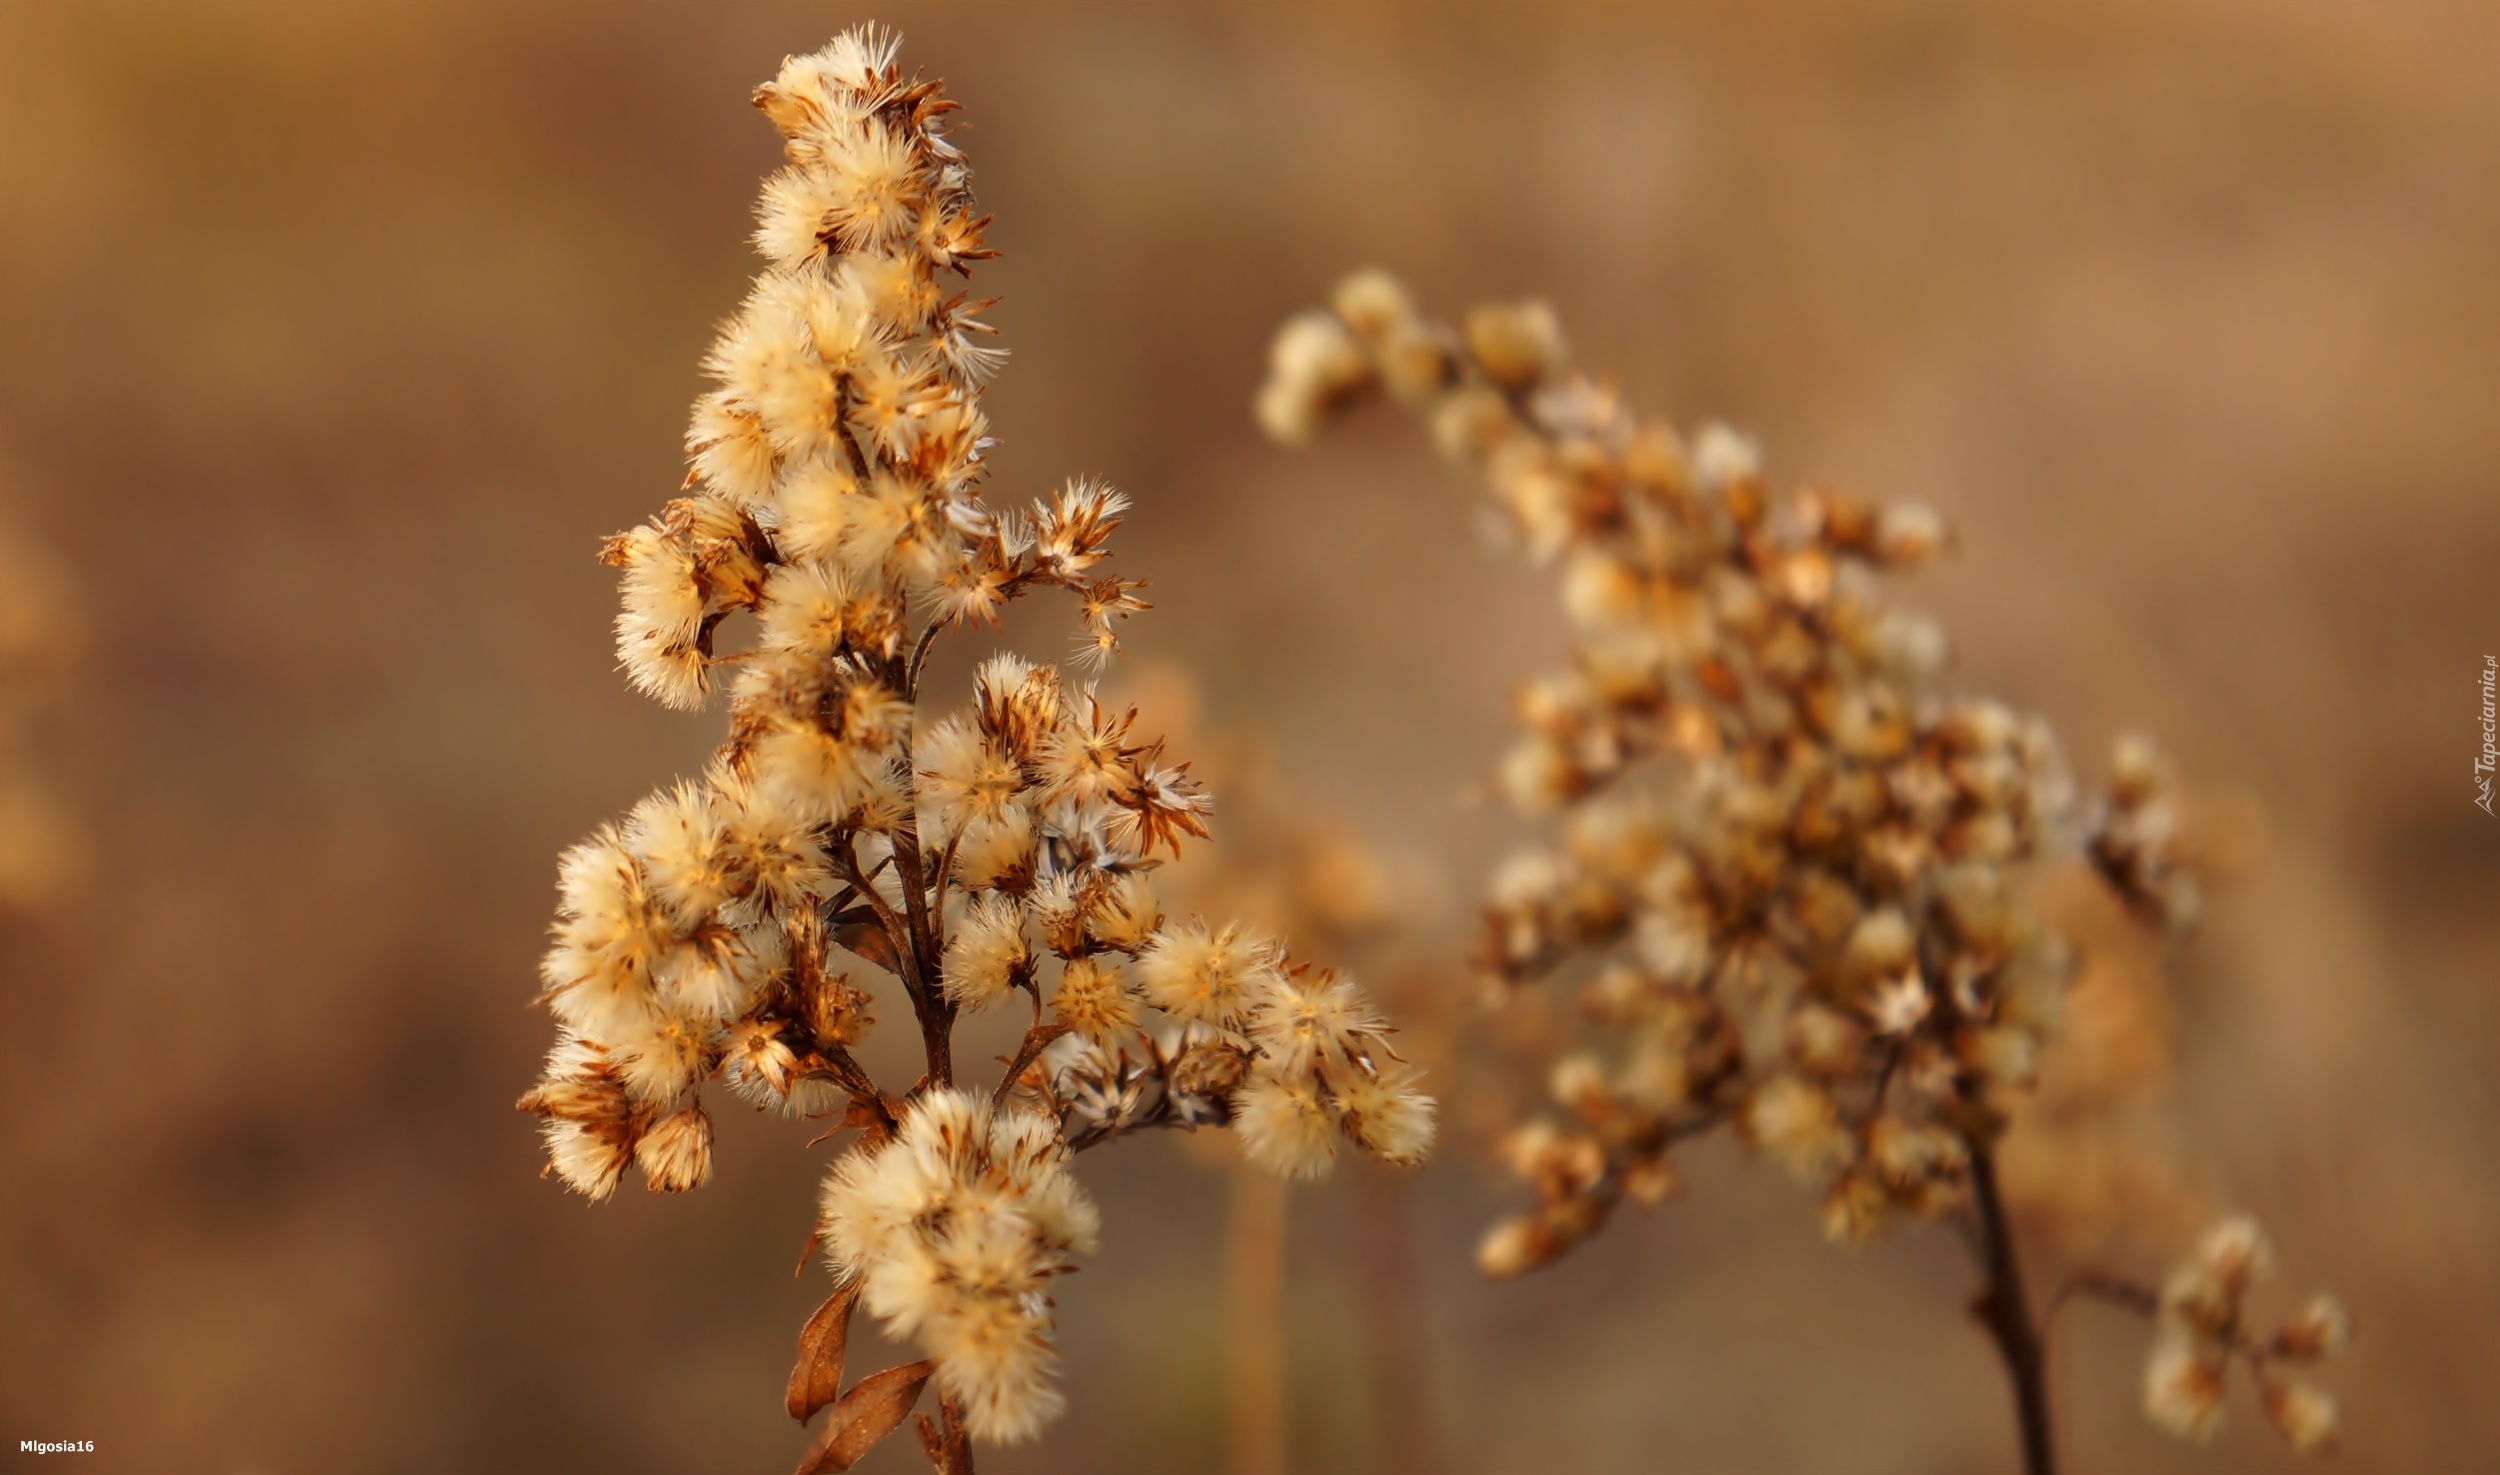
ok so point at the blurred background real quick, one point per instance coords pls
(333, 337)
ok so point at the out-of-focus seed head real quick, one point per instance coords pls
(2183, 1390)
(1516, 344)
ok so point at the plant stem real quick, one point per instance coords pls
(1401, 1340)
(2004, 1309)
(924, 898)
(1254, 1255)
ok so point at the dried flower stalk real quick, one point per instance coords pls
(1003, 851)
(1254, 1264)
(1792, 873)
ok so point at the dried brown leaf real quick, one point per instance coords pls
(874, 1407)
(816, 1378)
(870, 941)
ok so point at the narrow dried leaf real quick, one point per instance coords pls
(874, 1407)
(869, 940)
(816, 1378)
(1036, 1040)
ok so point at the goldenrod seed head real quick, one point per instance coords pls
(676, 1154)
(1516, 344)
(1093, 999)
(2305, 1413)
(1207, 975)
(1286, 1126)
(2183, 1390)
(988, 958)
(1798, 1125)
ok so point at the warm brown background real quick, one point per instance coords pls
(332, 336)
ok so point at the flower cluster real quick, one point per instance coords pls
(954, 1231)
(2203, 1326)
(1793, 877)
(1294, 1057)
(834, 508)
(1790, 872)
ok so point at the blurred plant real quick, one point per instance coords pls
(834, 499)
(2090, 1169)
(2201, 1314)
(41, 850)
(1792, 873)
(1324, 884)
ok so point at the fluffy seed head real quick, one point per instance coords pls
(1286, 1126)
(962, 778)
(999, 852)
(988, 957)
(1517, 344)
(2322, 1329)
(676, 1154)
(1126, 913)
(956, 1229)
(680, 840)
(1311, 1022)
(2304, 1412)
(1094, 1000)
(1385, 1113)
(1206, 975)
(2183, 1390)
(1796, 1123)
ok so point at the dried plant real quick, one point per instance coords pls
(1793, 876)
(1005, 850)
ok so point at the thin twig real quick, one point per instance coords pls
(2095, 1285)
(1036, 1040)
(2004, 1309)
(919, 653)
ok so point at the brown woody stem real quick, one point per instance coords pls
(918, 971)
(937, 1012)
(924, 896)
(2004, 1309)
(945, 1442)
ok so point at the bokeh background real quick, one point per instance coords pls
(333, 336)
